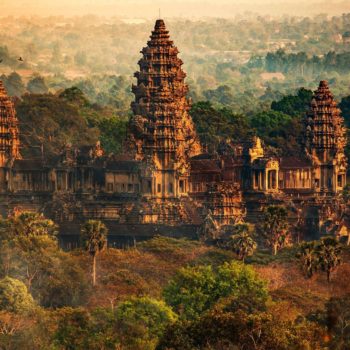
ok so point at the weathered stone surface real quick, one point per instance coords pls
(163, 183)
(9, 139)
(161, 131)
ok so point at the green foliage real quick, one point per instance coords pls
(215, 257)
(275, 227)
(344, 105)
(74, 95)
(66, 283)
(268, 122)
(242, 242)
(167, 245)
(237, 279)
(14, 296)
(324, 255)
(74, 329)
(93, 236)
(328, 253)
(27, 224)
(85, 45)
(294, 106)
(194, 290)
(307, 258)
(137, 324)
(113, 133)
(51, 123)
(278, 130)
(300, 63)
(142, 321)
(79, 329)
(30, 252)
(28, 246)
(243, 326)
(213, 124)
(264, 256)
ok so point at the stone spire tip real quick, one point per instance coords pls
(159, 24)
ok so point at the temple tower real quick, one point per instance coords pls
(161, 131)
(325, 141)
(9, 139)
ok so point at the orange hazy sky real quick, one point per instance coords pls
(170, 8)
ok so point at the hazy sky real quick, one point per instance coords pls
(170, 8)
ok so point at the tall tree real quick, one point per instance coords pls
(94, 240)
(242, 242)
(275, 227)
(28, 246)
(328, 255)
(308, 258)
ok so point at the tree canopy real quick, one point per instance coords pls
(194, 290)
(14, 296)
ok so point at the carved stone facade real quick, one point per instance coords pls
(163, 183)
(325, 141)
(9, 139)
(161, 131)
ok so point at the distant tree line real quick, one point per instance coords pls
(301, 63)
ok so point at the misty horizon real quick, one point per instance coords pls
(146, 9)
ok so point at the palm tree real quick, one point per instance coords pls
(275, 227)
(328, 255)
(241, 242)
(94, 239)
(308, 258)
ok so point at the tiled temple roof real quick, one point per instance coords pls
(123, 165)
(205, 165)
(295, 162)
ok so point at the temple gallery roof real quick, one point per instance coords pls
(205, 165)
(203, 156)
(28, 164)
(123, 165)
(295, 162)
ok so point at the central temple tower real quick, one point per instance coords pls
(161, 131)
(325, 141)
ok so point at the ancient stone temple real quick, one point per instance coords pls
(163, 183)
(325, 141)
(9, 139)
(161, 131)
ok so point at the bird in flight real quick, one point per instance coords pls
(1, 60)
(20, 59)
